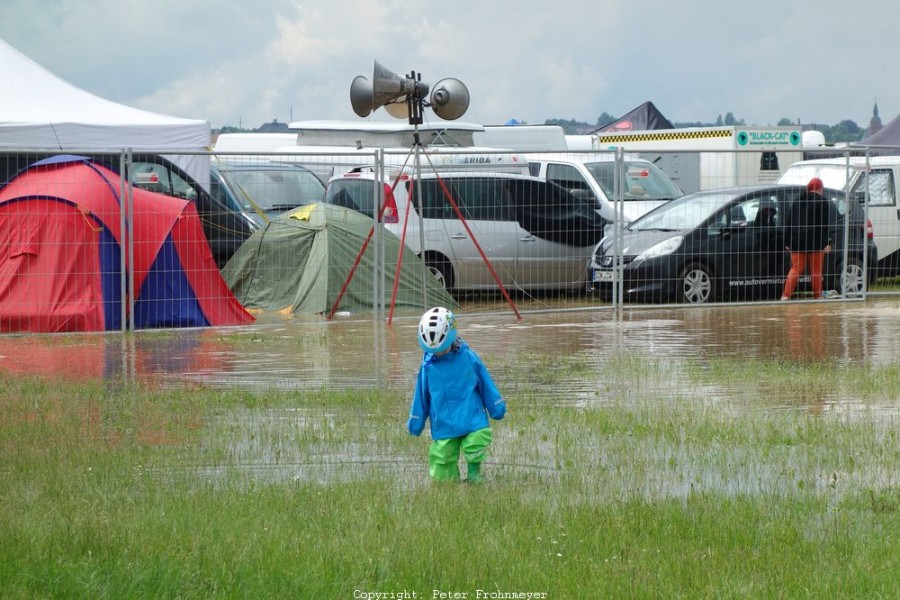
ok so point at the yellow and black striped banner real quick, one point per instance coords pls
(666, 135)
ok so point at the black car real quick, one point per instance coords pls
(225, 228)
(726, 244)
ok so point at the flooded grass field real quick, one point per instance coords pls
(723, 451)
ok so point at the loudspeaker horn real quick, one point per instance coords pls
(386, 87)
(450, 98)
(399, 108)
(361, 96)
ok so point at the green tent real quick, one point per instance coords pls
(300, 261)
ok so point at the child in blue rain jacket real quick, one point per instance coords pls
(455, 391)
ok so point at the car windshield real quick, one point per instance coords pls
(832, 176)
(687, 212)
(274, 189)
(643, 180)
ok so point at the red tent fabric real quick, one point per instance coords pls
(26, 302)
(60, 255)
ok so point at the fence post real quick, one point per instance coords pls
(126, 246)
(380, 271)
(618, 295)
(129, 226)
(865, 240)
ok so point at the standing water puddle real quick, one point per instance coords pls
(568, 359)
(283, 353)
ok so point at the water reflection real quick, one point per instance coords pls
(280, 352)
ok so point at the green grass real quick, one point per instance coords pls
(886, 284)
(645, 490)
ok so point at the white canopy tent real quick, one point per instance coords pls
(41, 112)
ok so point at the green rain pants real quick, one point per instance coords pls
(443, 456)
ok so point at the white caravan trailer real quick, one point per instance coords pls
(701, 158)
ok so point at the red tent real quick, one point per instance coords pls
(60, 255)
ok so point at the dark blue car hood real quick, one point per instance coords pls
(635, 242)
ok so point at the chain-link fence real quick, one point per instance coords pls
(214, 239)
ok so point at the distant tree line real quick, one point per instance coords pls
(273, 126)
(845, 131)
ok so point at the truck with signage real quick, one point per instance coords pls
(701, 158)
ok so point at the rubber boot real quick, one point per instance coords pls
(474, 472)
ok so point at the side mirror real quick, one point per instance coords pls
(582, 194)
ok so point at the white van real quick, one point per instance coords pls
(592, 176)
(883, 207)
(534, 234)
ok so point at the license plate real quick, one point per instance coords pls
(603, 276)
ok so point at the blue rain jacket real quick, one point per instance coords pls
(456, 393)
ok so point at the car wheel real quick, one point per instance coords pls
(695, 284)
(440, 267)
(852, 278)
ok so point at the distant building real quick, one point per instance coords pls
(273, 127)
(875, 122)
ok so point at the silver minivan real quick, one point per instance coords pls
(530, 233)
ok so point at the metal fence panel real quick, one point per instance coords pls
(500, 230)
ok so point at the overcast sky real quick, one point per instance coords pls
(246, 62)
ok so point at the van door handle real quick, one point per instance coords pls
(458, 236)
(529, 238)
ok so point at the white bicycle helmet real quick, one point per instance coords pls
(437, 330)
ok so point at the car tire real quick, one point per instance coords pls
(442, 270)
(851, 280)
(695, 284)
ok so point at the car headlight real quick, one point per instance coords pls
(667, 246)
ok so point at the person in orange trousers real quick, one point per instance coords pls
(808, 235)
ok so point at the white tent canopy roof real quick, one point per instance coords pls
(40, 110)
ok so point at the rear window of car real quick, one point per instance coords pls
(880, 185)
(162, 180)
(356, 194)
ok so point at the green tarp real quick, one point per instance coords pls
(300, 261)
